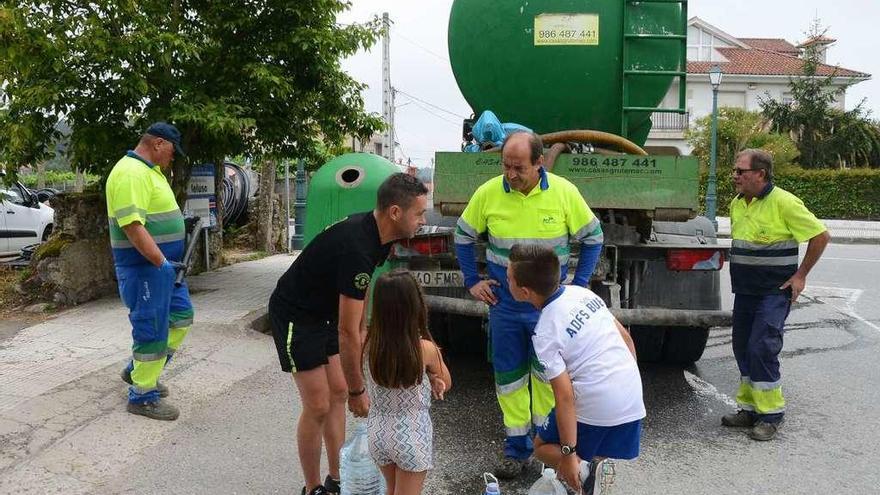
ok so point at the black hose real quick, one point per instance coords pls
(235, 194)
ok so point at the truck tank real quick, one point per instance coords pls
(554, 65)
(587, 76)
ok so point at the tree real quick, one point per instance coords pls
(739, 129)
(260, 78)
(825, 136)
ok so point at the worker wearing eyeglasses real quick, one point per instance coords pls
(768, 224)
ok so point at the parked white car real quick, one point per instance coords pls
(23, 219)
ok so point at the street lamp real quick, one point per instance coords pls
(715, 75)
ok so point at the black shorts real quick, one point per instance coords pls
(304, 343)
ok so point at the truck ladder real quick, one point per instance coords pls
(628, 72)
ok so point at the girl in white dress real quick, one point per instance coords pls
(406, 367)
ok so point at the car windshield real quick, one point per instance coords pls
(12, 195)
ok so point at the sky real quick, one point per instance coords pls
(430, 107)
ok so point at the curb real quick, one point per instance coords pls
(257, 320)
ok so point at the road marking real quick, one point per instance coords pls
(706, 389)
(849, 296)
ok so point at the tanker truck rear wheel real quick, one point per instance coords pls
(684, 345)
(648, 342)
(670, 345)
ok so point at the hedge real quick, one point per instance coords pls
(852, 194)
(55, 178)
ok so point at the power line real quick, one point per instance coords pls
(418, 45)
(397, 143)
(428, 110)
(429, 104)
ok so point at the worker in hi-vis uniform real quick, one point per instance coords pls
(526, 204)
(767, 225)
(147, 236)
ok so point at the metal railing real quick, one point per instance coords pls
(669, 121)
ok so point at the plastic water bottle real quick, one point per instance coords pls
(547, 484)
(584, 473)
(492, 487)
(357, 472)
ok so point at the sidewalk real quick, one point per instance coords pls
(63, 424)
(842, 231)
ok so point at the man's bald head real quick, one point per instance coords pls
(528, 139)
(522, 156)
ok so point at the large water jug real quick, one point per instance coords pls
(492, 487)
(547, 484)
(357, 472)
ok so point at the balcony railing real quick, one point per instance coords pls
(662, 121)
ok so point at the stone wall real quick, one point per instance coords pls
(76, 264)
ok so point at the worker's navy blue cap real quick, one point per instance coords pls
(167, 132)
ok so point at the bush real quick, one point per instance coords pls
(739, 129)
(55, 178)
(852, 194)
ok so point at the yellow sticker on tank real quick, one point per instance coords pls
(566, 29)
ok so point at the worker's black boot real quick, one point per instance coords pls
(160, 410)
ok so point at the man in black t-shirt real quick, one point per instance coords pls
(317, 316)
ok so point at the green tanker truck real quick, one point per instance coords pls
(586, 75)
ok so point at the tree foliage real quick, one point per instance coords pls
(825, 135)
(739, 129)
(257, 77)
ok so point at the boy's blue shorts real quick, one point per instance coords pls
(616, 442)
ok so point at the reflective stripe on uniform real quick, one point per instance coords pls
(144, 358)
(517, 431)
(512, 386)
(159, 239)
(501, 256)
(590, 234)
(186, 322)
(764, 260)
(539, 420)
(126, 211)
(464, 233)
(739, 243)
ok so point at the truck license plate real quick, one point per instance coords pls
(450, 278)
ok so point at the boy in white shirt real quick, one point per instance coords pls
(589, 359)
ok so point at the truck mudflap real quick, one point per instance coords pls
(658, 317)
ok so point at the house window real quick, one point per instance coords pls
(787, 98)
(378, 147)
(701, 46)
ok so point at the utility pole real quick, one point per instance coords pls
(391, 125)
(387, 91)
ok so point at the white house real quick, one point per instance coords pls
(753, 68)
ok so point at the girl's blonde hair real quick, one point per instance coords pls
(399, 322)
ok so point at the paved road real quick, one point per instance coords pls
(237, 428)
(829, 443)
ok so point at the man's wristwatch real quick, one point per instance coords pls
(567, 449)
